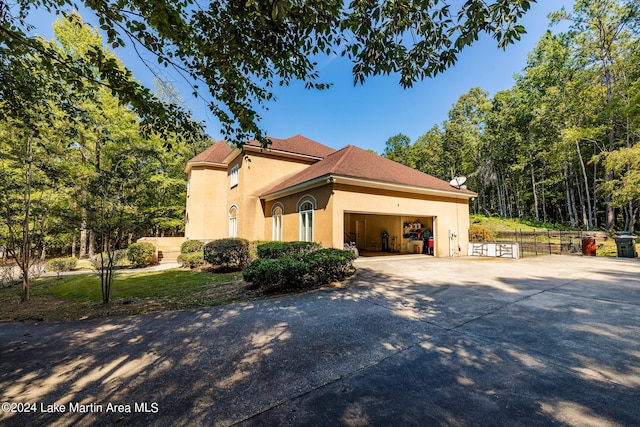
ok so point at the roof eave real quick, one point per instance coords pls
(360, 182)
(382, 185)
(307, 185)
(216, 165)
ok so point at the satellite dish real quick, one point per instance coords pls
(458, 181)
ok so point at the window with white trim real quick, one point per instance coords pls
(234, 175)
(306, 221)
(276, 221)
(233, 221)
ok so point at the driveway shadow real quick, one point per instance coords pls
(426, 344)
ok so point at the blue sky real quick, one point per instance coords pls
(365, 115)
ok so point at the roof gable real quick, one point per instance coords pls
(357, 163)
(296, 144)
(214, 154)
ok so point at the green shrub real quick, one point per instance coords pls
(228, 254)
(141, 254)
(119, 259)
(329, 265)
(192, 259)
(300, 271)
(62, 264)
(191, 246)
(274, 250)
(277, 274)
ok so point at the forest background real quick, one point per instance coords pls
(561, 146)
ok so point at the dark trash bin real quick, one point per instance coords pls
(589, 246)
(626, 245)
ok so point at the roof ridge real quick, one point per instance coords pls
(346, 150)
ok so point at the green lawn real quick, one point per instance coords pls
(79, 296)
(169, 283)
(503, 224)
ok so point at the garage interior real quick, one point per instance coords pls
(379, 234)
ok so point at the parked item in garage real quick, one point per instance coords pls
(385, 242)
(426, 235)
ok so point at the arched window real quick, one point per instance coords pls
(306, 221)
(276, 219)
(233, 221)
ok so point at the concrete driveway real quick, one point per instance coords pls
(409, 341)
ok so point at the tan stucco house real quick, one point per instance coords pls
(299, 189)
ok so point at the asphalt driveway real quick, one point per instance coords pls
(408, 341)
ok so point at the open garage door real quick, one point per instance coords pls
(380, 234)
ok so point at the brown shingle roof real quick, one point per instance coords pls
(297, 144)
(357, 163)
(214, 154)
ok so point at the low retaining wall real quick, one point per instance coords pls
(167, 248)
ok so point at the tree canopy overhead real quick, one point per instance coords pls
(238, 50)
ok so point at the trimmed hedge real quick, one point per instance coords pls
(228, 254)
(282, 273)
(191, 246)
(191, 259)
(300, 271)
(62, 264)
(274, 250)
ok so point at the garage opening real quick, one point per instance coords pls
(380, 234)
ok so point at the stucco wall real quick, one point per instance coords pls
(322, 216)
(207, 203)
(211, 195)
(258, 173)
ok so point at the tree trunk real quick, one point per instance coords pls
(574, 210)
(25, 252)
(92, 243)
(595, 197)
(568, 193)
(544, 201)
(610, 210)
(586, 186)
(533, 185)
(83, 201)
(83, 223)
(508, 196)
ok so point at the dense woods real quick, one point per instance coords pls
(78, 173)
(79, 160)
(560, 146)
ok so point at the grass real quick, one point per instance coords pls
(79, 297)
(503, 224)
